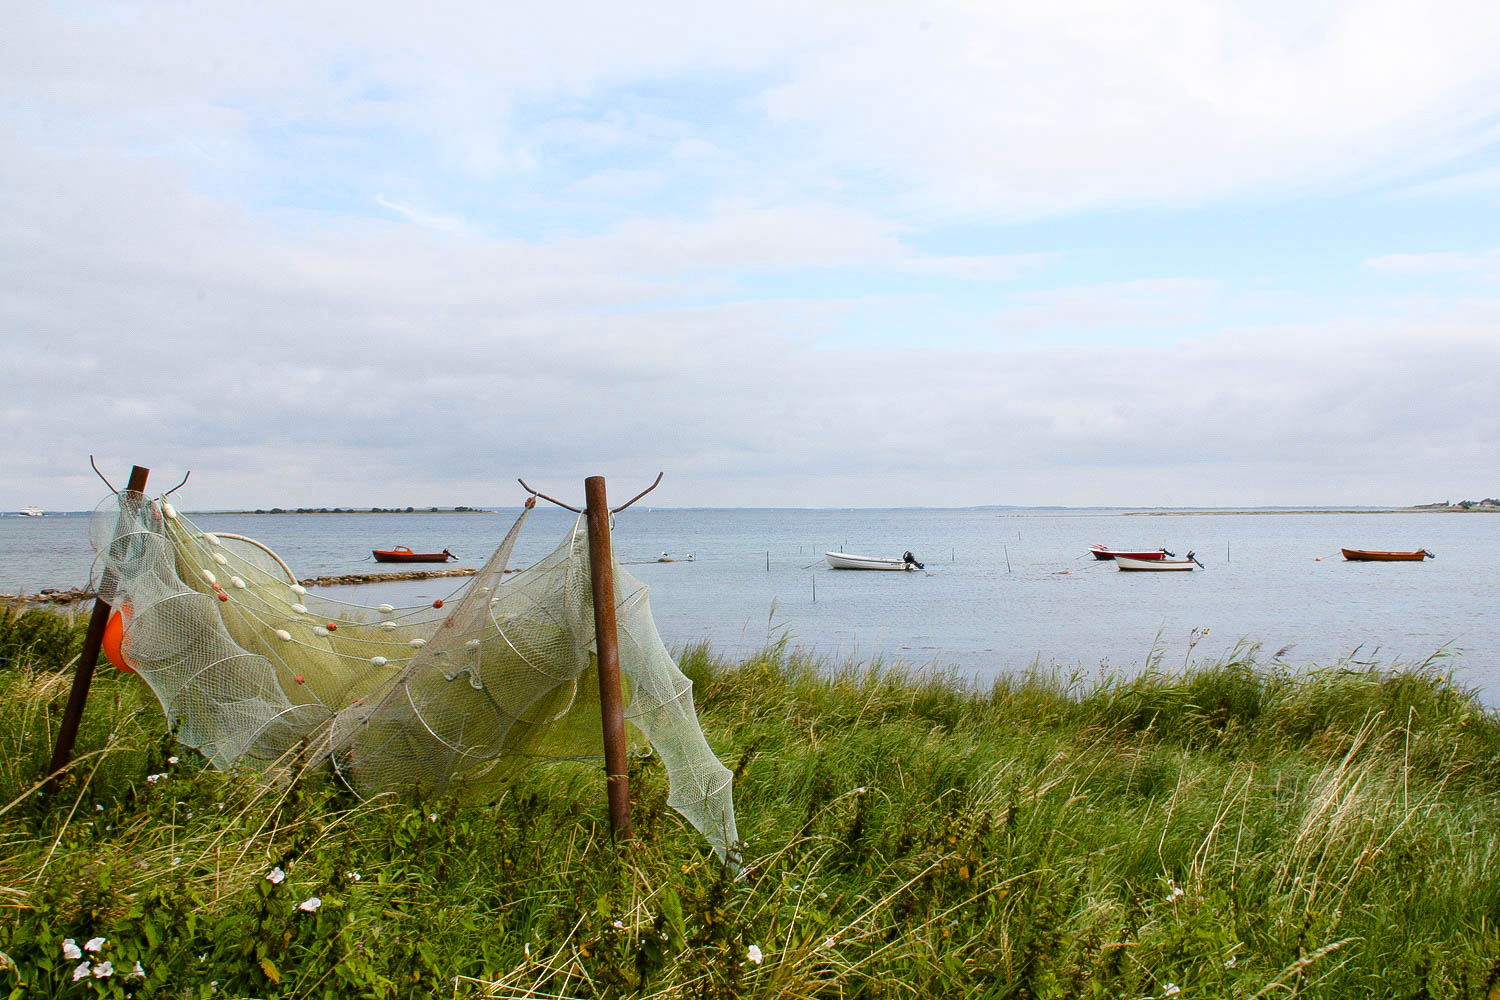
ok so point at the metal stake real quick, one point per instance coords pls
(611, 701)
(83, 674)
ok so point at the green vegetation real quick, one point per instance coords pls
(1233, 830)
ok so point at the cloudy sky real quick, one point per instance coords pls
(792, 254)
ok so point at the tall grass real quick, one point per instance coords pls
(1233, 830)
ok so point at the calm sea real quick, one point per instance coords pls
(1002, 588)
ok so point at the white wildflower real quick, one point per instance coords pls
(310, 905)
(754, 954)
(137, 972)
(352, 876)
(526, 949)
(104, 970)
(93, 944)
(70, 949)
(172, 760)
(98, 807)
(154, 778)
(432, 816)
(82, 971)
(619, 926)
(1171, 990)
(828, 942)
(277, 876)
(1173, 891)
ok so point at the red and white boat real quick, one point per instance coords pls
(1105, 552)
(402, 554)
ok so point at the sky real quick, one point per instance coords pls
(790, 254)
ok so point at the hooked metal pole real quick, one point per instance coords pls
(83, 674)
(606, 640)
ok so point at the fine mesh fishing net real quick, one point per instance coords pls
(452, 698)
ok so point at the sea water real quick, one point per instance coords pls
(1003, 589)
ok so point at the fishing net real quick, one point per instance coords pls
(443, 698)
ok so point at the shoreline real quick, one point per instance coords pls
(75, 595)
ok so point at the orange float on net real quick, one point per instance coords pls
(114, 634)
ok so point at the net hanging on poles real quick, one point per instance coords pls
(434, 699)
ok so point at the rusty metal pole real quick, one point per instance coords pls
(83, 674)
(611, 701)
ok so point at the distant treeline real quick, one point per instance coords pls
(1463, 504)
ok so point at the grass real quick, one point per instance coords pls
(1232, 830)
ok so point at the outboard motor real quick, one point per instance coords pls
(911, 560)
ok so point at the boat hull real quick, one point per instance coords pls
(1101, 552)
(1130, 565)
(844, 560)
(1368, 555)
(405, 555)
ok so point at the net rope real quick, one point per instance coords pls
(453, 697)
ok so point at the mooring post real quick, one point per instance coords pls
(611, 702)
(83, 674)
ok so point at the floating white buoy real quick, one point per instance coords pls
(208, 575)
(387, 624)
(298, 589)
(378, 661)
(301, 609)
(283, 635)
(211, 538)
(219, 558)
(170, 511)
(472, 644)
(417, 643)
(237, 583)
(320, 630)
(386, 608)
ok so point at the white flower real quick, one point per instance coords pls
(104, 970)
(1171, 990)
(1173, 891)
(70, 949)
(310, 905)
(138, 972)
(754, 954)
(277, 876)
(93, 944)
(828, 942)
(432, 816)
(619, 926)
(171, 760)
(154, 778)
(526, 949)
(82, 971)
(98, 807)
(352, 876)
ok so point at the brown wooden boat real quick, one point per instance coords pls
(1369, 555)
(402, 554)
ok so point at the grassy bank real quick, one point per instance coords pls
(1233, 831)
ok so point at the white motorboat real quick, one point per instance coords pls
(845, 560)
(31, 512)
(1159, 565)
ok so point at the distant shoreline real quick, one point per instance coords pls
(1424, 509)
(341, 510)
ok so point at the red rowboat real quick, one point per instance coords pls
(402, 554)
(1367, 555)
(1104, 552)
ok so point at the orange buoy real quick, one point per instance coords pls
(114, 633)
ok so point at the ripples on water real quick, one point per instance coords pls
(1052, 604)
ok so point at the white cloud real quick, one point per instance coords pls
(1485, 264)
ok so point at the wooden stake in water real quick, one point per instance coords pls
(606, 640)
(1007, 557)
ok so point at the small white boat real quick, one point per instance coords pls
(1159, 565)
(31, 512)
(845, 560)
